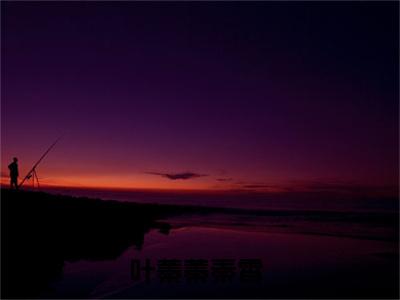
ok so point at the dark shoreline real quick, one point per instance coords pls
(388, 219)
(41, 231)
(162, 210)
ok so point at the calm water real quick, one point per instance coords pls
(247, 201)
(284, 265)
(314, 249)
(360, 218)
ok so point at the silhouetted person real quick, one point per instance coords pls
(14, 173)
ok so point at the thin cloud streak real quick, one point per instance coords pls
(328, 187)
(178, 176)
(224, 179)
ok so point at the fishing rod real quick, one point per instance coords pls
(32, 172)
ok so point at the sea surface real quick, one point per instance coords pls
(240, 200)
(256, 248)
(368, 218)
(236, 264)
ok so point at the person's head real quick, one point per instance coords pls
(15, 159)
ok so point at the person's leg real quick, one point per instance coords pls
(11, 183)
(15, 183)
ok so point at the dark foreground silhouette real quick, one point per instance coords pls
(39, 232)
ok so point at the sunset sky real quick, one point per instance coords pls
(257, 96)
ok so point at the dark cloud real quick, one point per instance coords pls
(176, 176)
(256, 186)
(224, 179)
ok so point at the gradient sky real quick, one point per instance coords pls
(257, 95)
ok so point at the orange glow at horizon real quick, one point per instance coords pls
(116, 182)
(205, 184)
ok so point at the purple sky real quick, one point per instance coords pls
(235, 94)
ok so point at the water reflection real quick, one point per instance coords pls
(58, 248)
(36, 260)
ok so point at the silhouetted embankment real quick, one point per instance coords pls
(39, 232)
